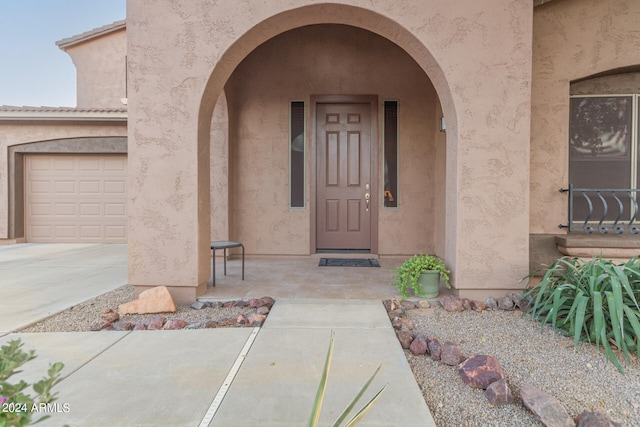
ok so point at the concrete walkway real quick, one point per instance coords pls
(177, 378)
(39, 280)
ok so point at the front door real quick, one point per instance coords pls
(344, 185)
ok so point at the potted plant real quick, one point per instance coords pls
(422, 273)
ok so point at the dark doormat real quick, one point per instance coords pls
(348, 262)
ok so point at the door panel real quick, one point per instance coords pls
(343, 176)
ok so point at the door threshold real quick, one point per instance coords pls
(343, 254)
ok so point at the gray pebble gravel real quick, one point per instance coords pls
(582, 378)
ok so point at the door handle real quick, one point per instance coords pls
(367, 196)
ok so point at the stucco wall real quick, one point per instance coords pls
(338, 60)
(101, 70)
(476, 54)
(573, 39)
(12, 134)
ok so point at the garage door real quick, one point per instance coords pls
(76, 198)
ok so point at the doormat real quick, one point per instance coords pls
(348, 262)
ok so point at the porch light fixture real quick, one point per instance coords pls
(443, 124)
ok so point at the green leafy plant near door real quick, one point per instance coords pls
(409, 272)
(594, 300)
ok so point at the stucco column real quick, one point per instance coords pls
(168, 182)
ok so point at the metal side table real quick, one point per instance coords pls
(224, 245)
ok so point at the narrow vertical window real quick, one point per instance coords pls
(391, 154)
(296, 166)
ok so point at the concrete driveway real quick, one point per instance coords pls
(38, 280)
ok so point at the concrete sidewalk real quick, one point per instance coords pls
(39, 280)
(170, 378)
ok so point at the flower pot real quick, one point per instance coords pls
(430, 282)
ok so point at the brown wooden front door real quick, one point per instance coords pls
(344, 185)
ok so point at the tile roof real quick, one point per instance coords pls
(91, 34)
(24, 108)
(15, 113)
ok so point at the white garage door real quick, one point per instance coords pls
(76, 198)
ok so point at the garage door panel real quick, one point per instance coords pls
(76, 198)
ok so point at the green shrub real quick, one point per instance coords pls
(409, 271)
(16, 407)
(594, 301)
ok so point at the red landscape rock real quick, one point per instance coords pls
(451, 354)
(154, 300)
(498, 393)
(480, 371)
(546, 407)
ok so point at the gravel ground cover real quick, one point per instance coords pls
(581, 378)
(81, 317)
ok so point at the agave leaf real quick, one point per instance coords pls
(351, 404)
(633, 316)
(607, 348)
(598, 316)
(317, 404)
(615, 321)
(362, 412)
(579, 322)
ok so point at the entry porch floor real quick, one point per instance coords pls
(302, 278)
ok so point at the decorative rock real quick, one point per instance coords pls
(405, 339)
(255, 303)
(546, 407)
(257, 319)
(229, 304)
(100, 325)
(505, 303)
(156, 323)
(451, 354)
(108, 328)
(525, 303)
(480, 371)
(154, 300)
(498, 393)
(241, 304)
(491, 304)
(478, 306)
(394, 304)
(466, 303)
(418, 347)
(195, 325)
(407, 324)
(595, 419)
(408, 305)
(198, 305)
(263, 310)
(139, 327)
(268, 302)
(242, 320)
(175, 324)
(396, 323)
(227, 322)
(398, 312)
(451, 303)
(122, 326)
(435, 349)
(211, 324)
(110, 316)
(424, 303)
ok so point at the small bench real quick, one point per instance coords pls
(225, 244)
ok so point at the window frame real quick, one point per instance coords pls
(384, 153)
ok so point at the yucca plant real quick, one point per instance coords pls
(594, 301)
(317, 404)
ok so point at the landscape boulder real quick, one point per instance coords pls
(418, 346)
(435, 349)
(154, 300)
(405, 338)
(595, 419)
(498, 393)
(480, 371)
(110, 316)
(175, 324)
(490, 303)
(546, 407)
(505, 303)
(451, 303)
(156, 323)
(451, 354)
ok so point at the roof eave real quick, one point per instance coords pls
(92, 34)
(63, 116)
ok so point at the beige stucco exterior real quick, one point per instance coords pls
(209, 88)
(480, 74)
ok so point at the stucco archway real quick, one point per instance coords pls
(334, 14)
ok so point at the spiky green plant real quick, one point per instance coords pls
(592, 300)
(317, 404)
